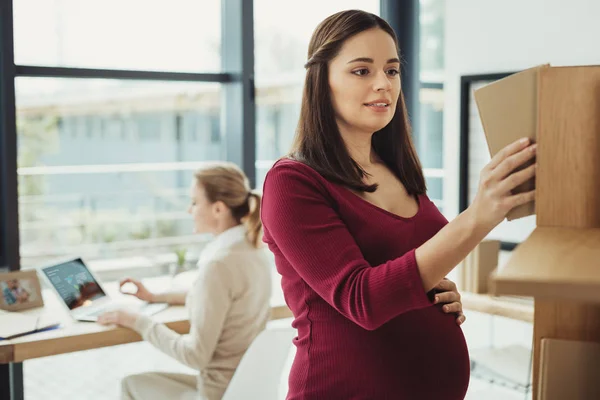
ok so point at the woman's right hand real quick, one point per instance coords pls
(494, 198)
(142, 293)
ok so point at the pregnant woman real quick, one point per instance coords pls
(358, 243)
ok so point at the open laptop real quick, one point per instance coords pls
(83, 295)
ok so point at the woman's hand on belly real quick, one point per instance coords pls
(447, 294)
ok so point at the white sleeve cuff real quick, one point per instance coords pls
(143, 325)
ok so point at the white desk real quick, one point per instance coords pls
(77, 336)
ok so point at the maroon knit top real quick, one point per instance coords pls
(366, 328)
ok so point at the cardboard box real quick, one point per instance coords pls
(508, 109)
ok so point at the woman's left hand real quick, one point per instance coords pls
(447, 294)
(122, 318)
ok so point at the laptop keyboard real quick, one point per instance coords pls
(152, 308)
(96, 313)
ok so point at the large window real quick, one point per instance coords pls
(432, 40)
(105, 165)
(115, 103)
(429, 139)
(285, 28)
(183, 35)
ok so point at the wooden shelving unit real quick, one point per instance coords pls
(559, 264)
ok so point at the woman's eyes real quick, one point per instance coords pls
(365, 71)
(360, 72)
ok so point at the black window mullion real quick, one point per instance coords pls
(11, 375)
(9, 213)
(403, 16)
(239, 107)
(89, 73)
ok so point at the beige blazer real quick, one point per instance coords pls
(228, 307)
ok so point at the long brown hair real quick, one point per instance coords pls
(318, 142)
(226, 182)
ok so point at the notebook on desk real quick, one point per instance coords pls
(83, 295)
(15, 324)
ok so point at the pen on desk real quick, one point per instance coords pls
(36, 323)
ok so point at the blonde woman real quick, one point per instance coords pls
(228, 303)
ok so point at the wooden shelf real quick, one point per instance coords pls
(554, 263)
(517, 308)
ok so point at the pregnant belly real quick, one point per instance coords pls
(419, 355)
(433, 353)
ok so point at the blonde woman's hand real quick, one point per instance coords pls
(141, 292)
(494, 198)
(124, 318)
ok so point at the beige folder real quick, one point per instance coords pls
(508, 109)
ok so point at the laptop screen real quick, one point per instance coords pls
(74, 283)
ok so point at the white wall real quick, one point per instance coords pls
(484, 36)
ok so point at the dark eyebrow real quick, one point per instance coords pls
(370, 60)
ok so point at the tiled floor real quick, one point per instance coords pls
(481, 390)
(95, 375)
